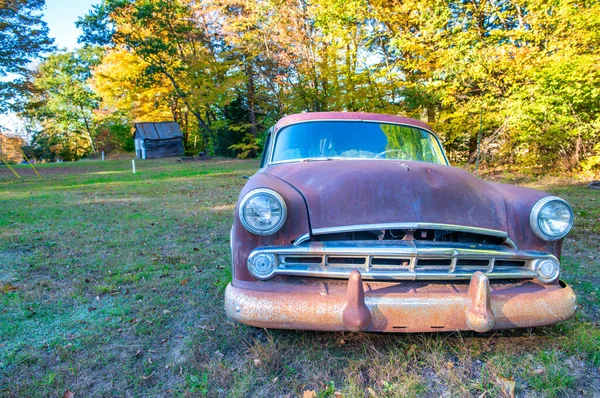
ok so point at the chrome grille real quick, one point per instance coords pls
(403, 260)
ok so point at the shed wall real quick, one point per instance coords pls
(163, 148)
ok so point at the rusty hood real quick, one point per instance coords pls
(357, 192)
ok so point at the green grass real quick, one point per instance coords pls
(111, 284)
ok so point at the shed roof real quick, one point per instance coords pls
(157, 130)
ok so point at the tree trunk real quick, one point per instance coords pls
(204, 128)
(251, 99)
(430, 113)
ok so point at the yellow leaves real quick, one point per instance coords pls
(118, 81)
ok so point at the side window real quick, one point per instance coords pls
(267, 148)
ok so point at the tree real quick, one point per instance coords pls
(63, 104)
(524, 72)
(23, 38)
(178, 40)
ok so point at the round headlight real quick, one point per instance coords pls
(262, 211)
(551, 218)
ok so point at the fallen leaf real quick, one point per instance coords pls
(166, 312)
(149, 376)
(90, 309)
(184, 282)
(257, 362)
(206, 327)
(309, 394)
(508, 386)
(68, 394)
(7, 287)
(539, 371)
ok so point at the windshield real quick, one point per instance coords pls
(356, 140)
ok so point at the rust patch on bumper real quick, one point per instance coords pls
(398, 307)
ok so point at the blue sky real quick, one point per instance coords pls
(60, 15)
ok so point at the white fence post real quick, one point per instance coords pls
(133, 165)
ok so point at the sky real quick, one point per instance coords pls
(60, 15)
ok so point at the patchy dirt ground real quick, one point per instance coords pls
(111, 284)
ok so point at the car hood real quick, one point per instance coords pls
(357, 192)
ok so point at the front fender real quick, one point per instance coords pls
(519, 202)
(296, 224)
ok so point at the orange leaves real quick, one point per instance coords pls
(7, 288)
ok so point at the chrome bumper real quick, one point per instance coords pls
(403, 260)
(398, 307)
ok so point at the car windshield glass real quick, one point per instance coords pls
(355, 139)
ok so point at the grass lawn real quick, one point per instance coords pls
(111, 284)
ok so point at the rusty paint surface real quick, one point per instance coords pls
(400, 307)
(354, 192)
(480, 316)
(358, 192)
(356, 315)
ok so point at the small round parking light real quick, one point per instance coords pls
(262, 266)
(548, 270)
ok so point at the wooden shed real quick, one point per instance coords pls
(158, 140)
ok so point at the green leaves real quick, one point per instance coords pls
(23, 38)
(227, 69)
(63, 103)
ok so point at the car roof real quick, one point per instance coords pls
(349, 116)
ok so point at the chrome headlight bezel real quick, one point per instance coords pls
(535, 213)
(254, 193)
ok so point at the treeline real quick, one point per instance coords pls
(524, 72)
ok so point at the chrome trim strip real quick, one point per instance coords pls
(511, 243)
(403, 249)
(410, 225)
(357, 121)
(301, 239)
(344, 273)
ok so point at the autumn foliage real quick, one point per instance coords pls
(524, 73)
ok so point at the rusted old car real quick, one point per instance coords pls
(357, 222)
